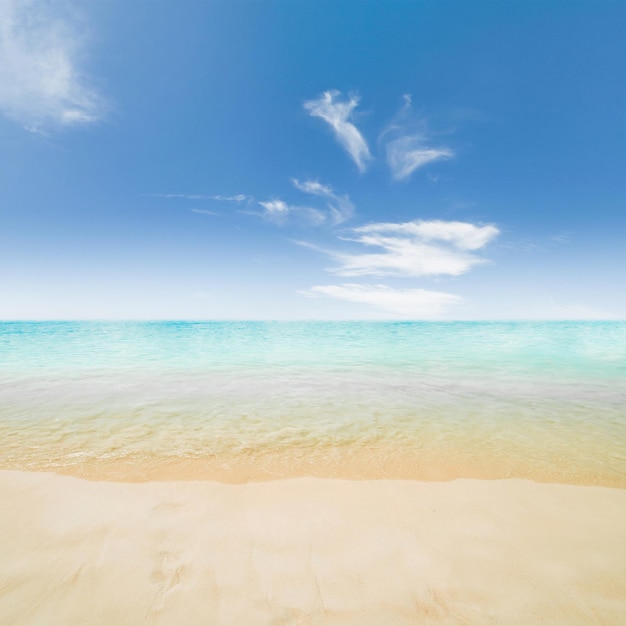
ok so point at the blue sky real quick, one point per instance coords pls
(326, 160)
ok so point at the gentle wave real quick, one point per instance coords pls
(252, 400)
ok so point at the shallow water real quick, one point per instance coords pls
(257, 400)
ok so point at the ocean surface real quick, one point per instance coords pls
(238, 401)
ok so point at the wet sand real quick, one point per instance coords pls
(310, 551)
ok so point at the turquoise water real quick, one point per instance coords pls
(253, 400)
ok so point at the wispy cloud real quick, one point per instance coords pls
(413, 303)
(279, 212)
(407, 146)
(40, 82)
(276, 210)
(463, 235)
(419, 248)
(200, 196)
(313, 187)
(184, 196)
(204, 211)
(337, 113)
(340, 207)
(406, 154)
(240, 197)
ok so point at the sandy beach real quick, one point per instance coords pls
(312, 313)
(310, 551)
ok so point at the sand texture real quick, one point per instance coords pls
(309, 551)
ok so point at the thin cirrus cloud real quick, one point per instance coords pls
(337, 113)
(412, 249)
(406, 154)
(200, 196)
(279, 212)
(463, 235)
(40, 82)
(340, 208)
(413, 303)
(204, 211)
(276, 210)
(240, 197)
(184, 196)
(407, 144)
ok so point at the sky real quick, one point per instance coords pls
(451, 160)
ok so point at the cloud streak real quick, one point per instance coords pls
(462, 235)
(40, 82)
(185, 196)
(279, 212)
(408, 153)
(276, 210)
(412, 249)
(337, 114)
(204, 211)
(412, 303)
(240, 197)
(340, 207)
(408, 148)
(200, 196)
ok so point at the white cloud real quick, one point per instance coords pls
(340, 207)
(240, 197)
(403, 257)
(275, 207)
(204, 211)
(338, 210)
(40, 83)
(338, 113)
(419, 248)
(413, 303)
(275, 210)
(313, 187)
(461, 234)
(406, 154)
(280, 212)
(186, 196)
(407, 148)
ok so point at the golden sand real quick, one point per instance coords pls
(310, 551)
(444, 461)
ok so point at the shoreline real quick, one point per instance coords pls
(310, 551)
(442, 463)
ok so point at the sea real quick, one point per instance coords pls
(241, 401)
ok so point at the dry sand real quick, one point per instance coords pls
(309, 551)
